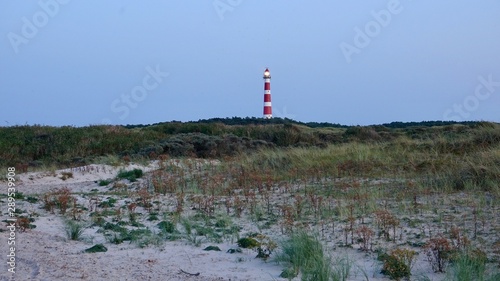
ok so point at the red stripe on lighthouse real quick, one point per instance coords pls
(268, 111)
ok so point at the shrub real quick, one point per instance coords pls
(104, 182)
(469, 265)
(248, 243)
(60, 198)
(108, 203)
(66, 175)
(74, 229)
(365, 234)
(96, 249)
(23, 223)
(212, 248)
(398, 263)
(18, 196)
(132, 175)
(31, 199)
(166, 226)
(304, 254)
(438, 251)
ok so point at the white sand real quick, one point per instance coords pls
(44, 253)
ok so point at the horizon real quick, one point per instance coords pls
(211, 120)
(350, 63)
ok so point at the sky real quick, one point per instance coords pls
(79, 63)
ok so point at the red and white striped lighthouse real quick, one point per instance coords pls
(268, 110)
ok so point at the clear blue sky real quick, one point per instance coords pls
(351, 62)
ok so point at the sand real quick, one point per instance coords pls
(45, 253)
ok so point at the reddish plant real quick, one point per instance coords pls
(438, 251)
(365, 234)
(385, 220)
(22, 224)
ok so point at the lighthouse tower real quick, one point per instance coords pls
(268, 111)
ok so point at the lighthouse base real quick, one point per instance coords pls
(268, 116)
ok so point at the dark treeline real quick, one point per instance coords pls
(401, 125)
(249, 121)
(279, 121)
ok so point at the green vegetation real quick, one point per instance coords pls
(434, 186)
(104, 182)
(132, 175)
(398, 263)
(39, 146)
(304, 254)
(471, 265)
(74, 229)
(98, 248)
(212, 248)
(167, 227)
(248, 243)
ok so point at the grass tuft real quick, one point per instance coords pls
(74, 229)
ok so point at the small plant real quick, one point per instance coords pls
(304, 254)
(386, 221)
(132, 175)
(23, 223)
(398, 263)
(74, 229)
(60, 198)
(266, 246)
(108, 203)
(458, 239)
(96, 249)
(365, 236)
(18, 196)
(104, 182)
(153, 217)
(66, 175)
(166, 226)
(438, 251)
(248, 243)
(31, 199)
(469, 265)
(190, 235)
(212, 248)
(145, 198)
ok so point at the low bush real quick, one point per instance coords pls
(104, 182)
(398, 263)
(304, 254)
(439, 252)
(471, 265)
(248, 243)
(166, 226)
(96, 249)
(132, 175)
(212, 248)
(60, 198)
(74, 229)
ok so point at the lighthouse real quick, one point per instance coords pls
(268, 110)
